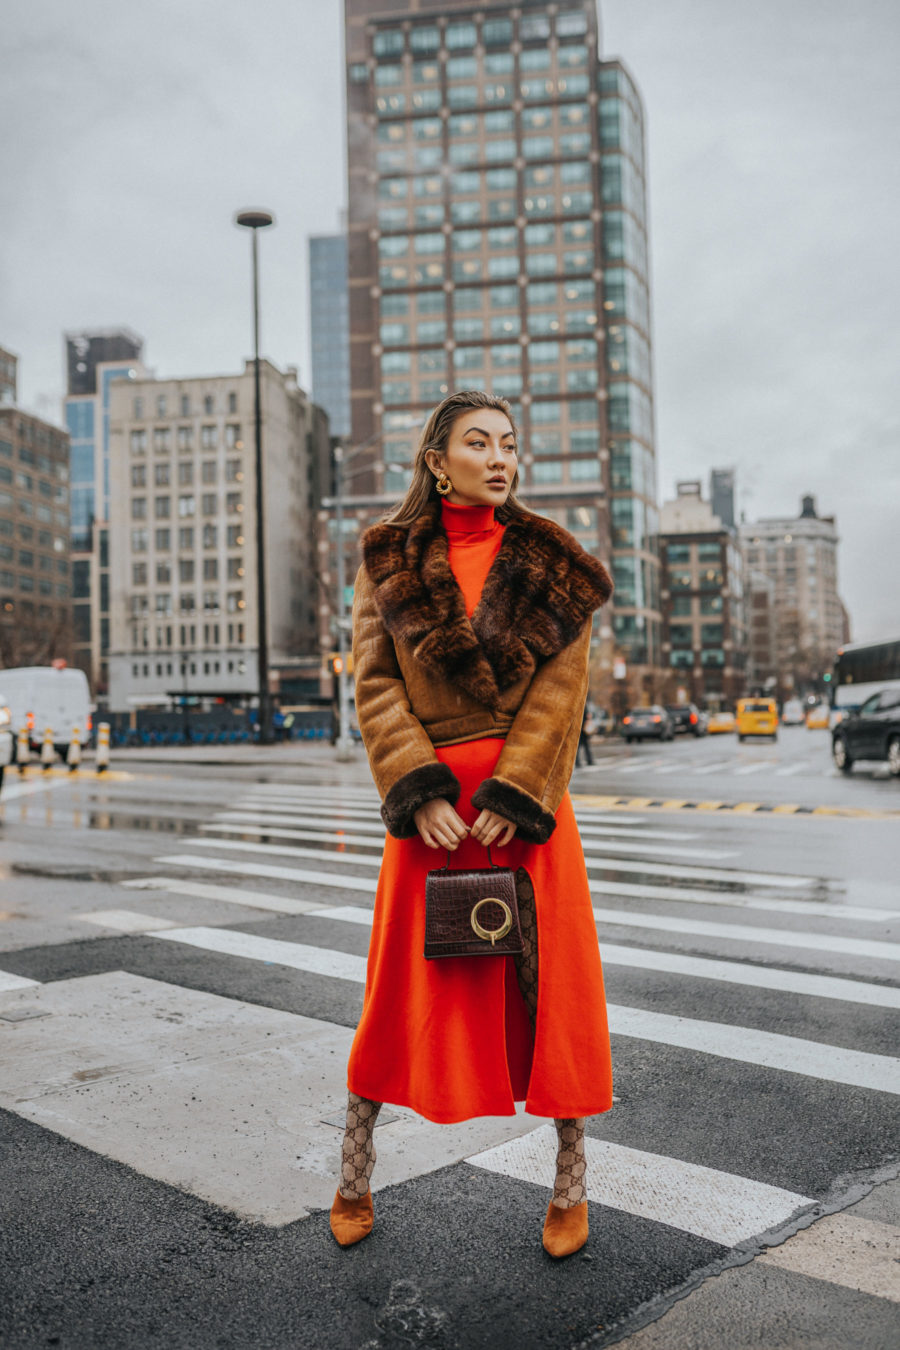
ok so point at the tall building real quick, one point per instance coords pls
(330, 329)
(762, 633)
(721, 495)
(182, 536)
(35, 603)
(94, 360)
(498, 240)
(704, 613)
(9, 365)
(799, 555)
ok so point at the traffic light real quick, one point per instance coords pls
(337, 665)
(827, 679)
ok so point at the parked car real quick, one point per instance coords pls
(793, 713)
(720, 721)
(871, 733)
(687, 717)
(6, 737)
(605, 722)
(652, 723)
(757, 717)
(818, 718)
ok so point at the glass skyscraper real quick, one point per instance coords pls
(498, 240)
(330, 329)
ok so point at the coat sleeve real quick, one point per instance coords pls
(406, 770)
(535, 764)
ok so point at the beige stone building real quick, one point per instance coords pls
(182, 536)
(799, 556)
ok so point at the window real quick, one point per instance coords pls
(209, 406)
(138, 408)
(139, 508)
(233, 502)
(210, 569)
(140, 541)
(186, 570)
(210, 536)
(185, 438)
(678, 553)
(186, 473)
(208, 437)
(232, 401)
(209, 503)
(138, 442)
(186, 537)
(235, 601)
(460, 35)
(138, 475)
(234, 536)
(163, 573)
(185, 405)
(162, 439)
(162, 507)
(235, 569)
(233, 436)
(186, 505)
(161, 474)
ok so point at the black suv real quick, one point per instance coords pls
(873, 732)
(686, 717)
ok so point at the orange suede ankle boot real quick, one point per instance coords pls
(565, 1230)
(351, 1220)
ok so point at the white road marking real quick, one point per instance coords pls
(739, 932)
(319, 823)
(127, 920)
(369, 860)
(230, 895)
(790, 769)
(744, 769)
(12, 790)
(228, 942)
(271, 870)
(681, 895)
(844, 1249)
(718, 1206)
(590, 831)
(279, 832)
(640, 766)
(716, 767)
(9, 982)
(305, 813)
(790, 1054)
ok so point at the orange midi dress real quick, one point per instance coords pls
(451, 1038)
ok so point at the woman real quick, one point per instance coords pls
(471, 636)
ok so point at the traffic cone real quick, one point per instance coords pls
(102, 747)
(48, 753)
(73, 759)
(23, 750)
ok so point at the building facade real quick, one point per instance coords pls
(762, 650)
(9, 366)
(35, 599)
(182, 536)
(721, 495)
(799, 556)
(703, 605)
(93, 361)
(498, 240)
(329, 322)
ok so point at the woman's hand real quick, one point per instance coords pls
(489, 826)
(439, 824)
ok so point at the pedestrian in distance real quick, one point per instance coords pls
(588, 727)
(471, 638)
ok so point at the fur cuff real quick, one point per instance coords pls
(533, 823)
(413, 790)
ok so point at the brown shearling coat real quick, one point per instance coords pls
(427, 675)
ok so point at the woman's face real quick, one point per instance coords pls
(480, 459)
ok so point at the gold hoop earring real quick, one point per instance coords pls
(443, 484)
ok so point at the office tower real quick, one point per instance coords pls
(330, 329)
(35, 603)
(182, 537)
(8, 377)
(94, 359)
(721, 495)
(704, 612)
(799, 555)
(497, 240)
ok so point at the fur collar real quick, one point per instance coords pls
(541, 589)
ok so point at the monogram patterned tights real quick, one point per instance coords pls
(571, 1165)
(358, 1149)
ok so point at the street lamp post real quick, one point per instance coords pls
(257, 220)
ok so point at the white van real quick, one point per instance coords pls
(793, 714)
(48, 696)
(6, 740)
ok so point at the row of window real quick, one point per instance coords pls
(706, 551)
(470, 300)
(29, 585)
(463, 34)
(32, 510)
(707, 657)
(209, 471)
(214, 667)
(417, 87)
(562, 117)
(184, 438)
(140, 637)
(502, 268)
(162, 409)
(187, 571)
(28, 558)
(27, 483)
(26, 533)
(497, 239)
(187, 603)
(498, 211)
(187, 505)
(187, 535)
(43, 463)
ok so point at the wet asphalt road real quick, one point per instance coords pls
(122, 1216)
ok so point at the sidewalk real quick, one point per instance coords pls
(283, 755)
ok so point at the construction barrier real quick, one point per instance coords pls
(48, 751)
(23, 749)
(73, 758)
(102, 747)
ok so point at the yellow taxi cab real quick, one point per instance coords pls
(818, 718)
(757, 717)
(720, 721)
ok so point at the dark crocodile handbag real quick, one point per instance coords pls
(471, 912)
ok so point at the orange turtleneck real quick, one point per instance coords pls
(474, 539)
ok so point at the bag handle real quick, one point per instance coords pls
(448, 868)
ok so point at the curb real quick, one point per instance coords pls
(736, 808)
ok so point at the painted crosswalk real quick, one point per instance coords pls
(683, 925)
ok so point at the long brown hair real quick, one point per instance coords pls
(435, 436)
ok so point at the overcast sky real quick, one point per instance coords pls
(132, 132)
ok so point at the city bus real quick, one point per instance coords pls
(861, 669)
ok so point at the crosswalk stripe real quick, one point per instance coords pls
(719, 1206)
(291, 810)
(30, 787)
(739, 932)
(126, 920)
(9, 982)
(744, 770)
(599, 848)
(271, 870)
(604, 865)
(716, 767)
(229, 942)
(700, 967)
(229, 895)
(845, 1249)
(681, 895)
(789, 770)
(790, 1054)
